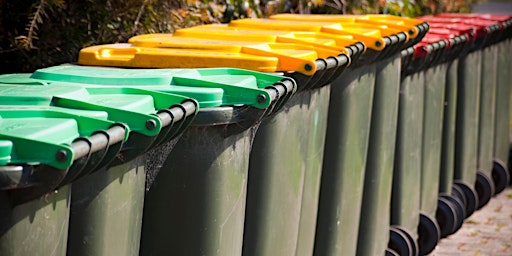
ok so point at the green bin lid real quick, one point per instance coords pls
(135, 107)
(210, 87)
(29, 135)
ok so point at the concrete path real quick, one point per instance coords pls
(488, 232)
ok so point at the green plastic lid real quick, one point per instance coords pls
(5, 150)
(46, 136)
(210, 87)
(135, 107)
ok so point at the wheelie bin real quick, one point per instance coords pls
(484, 184)
(98, 196)
(337, 150)
(282, 128)
(253, 92)
(434, 75)
(451, 202)
(476, 184)
(269, 187)
(377, 180)
(405, 196)
(39, 147)
(415, 201)
(496, 45)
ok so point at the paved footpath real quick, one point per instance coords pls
(488, 232)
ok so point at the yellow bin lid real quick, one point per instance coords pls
(223, 32)
(372, 38)
(387, 26)
(256, 48)
(127, 55)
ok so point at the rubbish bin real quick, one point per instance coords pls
(484, 184)
(405, 196)
(212, 240)
(434, 89)
(96, 185)
(274, 183)
(468, 98)
(225, 176)
(416, 204)
(375, 201)
(40, 146)
(496, 45)
(451, 206)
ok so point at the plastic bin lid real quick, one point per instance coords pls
(388, 17)
(168, 41)
(34, 135)
(485, 16)
(455, 29)
(479, 30)
(135, 107)
(224, 32)
(371, 37)
(210, 87)
(346, 21)
(127, 55)
(5, 150)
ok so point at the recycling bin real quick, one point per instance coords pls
(405, 195)
(485, 32)
(39, 147)
(434, 76)
(500, 173)
(101, 190)
(376, 179)
(215, 134)
(274, 183)
(450, 212)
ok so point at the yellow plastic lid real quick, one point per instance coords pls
(372, 38)
(315, 17)
(405, 20)
(222, 32)
(346, 21)
(127, 55)
(411, 30)
(170, 41)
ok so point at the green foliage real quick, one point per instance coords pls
(39, 33)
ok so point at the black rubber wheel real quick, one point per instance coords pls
(414, 242)
(459, 209)
(459, 194)
(500, 176)
(509, 163)
(390, 252)
(470, 195)
(399, 242)
(446, 216)
(429, 234)
(484, 187)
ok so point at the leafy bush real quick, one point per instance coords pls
(39, 33)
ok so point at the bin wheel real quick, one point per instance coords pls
(429, 234)
(500, 176)
(412, 241)
(446, 216)
(459, 209)
(509, 163)
(458, 193)
(390, 252)
(399, 242)
(484, 187)
(470, 195)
